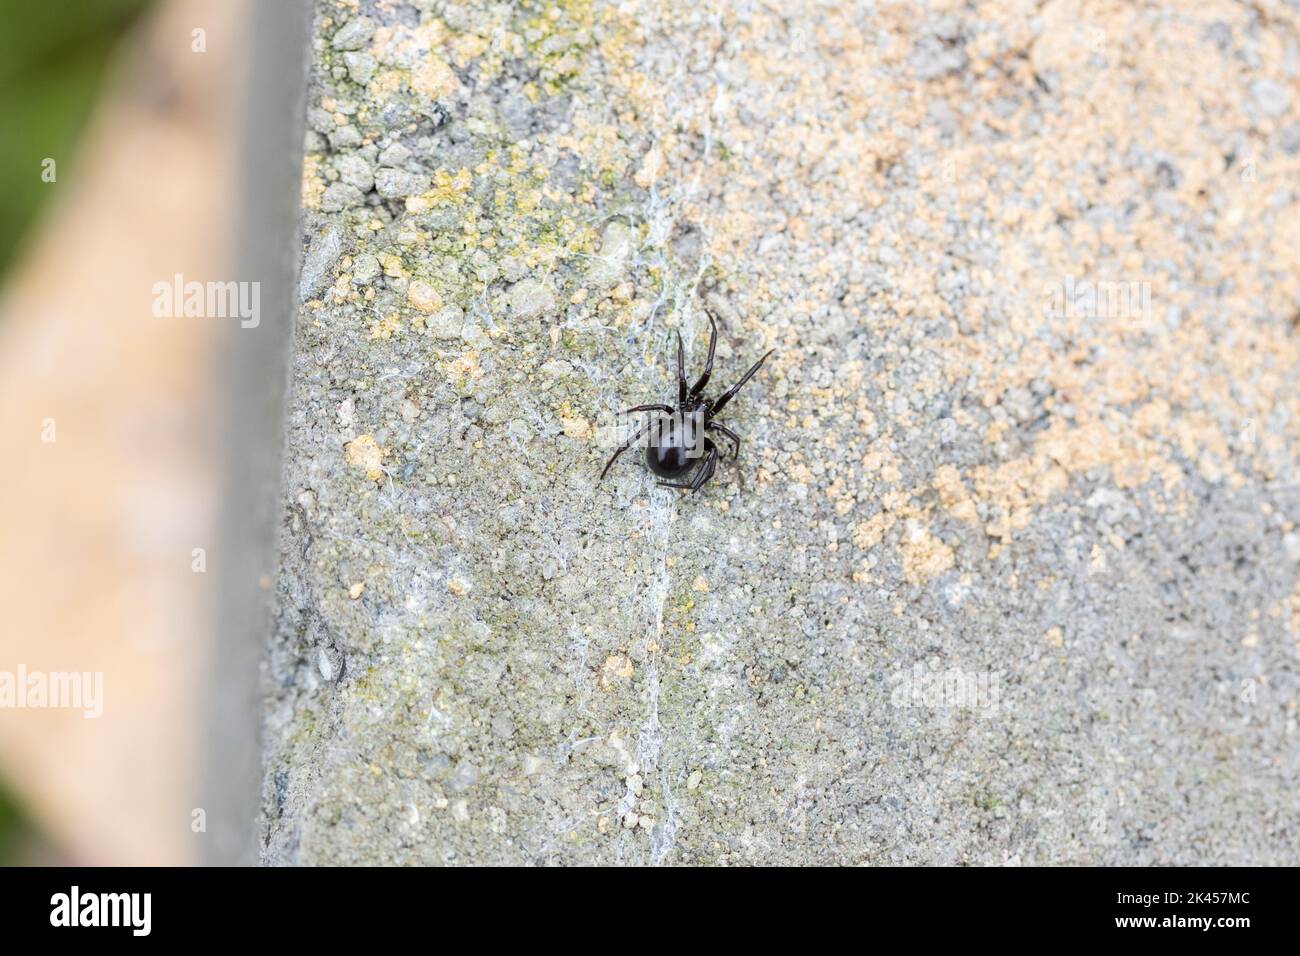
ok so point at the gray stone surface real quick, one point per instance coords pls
(1007, 569)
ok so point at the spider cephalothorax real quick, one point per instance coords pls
(678, 436)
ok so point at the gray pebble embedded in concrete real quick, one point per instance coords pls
(395, 155)
(530, 298)
(365, 269)
(361, 67)
(398, 183)
(325, 250)
(355, 171)
(616, 246)
(354, 34)
(340, 196)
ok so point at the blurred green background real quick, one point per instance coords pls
(53, 60)
(53, 55)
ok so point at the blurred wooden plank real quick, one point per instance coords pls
(101, 522)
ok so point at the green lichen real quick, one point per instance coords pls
(558, 38)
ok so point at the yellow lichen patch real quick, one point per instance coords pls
(385, 327)
(617, 668)
(867, 534)
(384, 85)
(799, 471)
(1013, 489)
(313, 186)
(447, 187)
(434, 78)
(924, 555)
(466, 47)
(953, 494)
(577, 427)
(342, 287)
(364, 453)
(880, 461)
(648, 172)
(464, 367)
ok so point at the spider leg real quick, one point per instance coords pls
(624, 447)
(707, 471)
(674, 484)
(681, 371)
(730, 393)
(677, 484)
(708, 362)
(648, 408)
(704, 473)
(735, 439)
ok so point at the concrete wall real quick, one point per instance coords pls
(1006, 570)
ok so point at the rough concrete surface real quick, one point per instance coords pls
(1008, 569)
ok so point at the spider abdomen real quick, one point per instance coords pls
(672, 451)
(668, 462)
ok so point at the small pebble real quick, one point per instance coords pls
(354, 34)
(361, 67)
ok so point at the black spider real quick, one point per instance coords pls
(674, 448)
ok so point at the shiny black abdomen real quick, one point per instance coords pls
(668, 461)
(669, 453)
